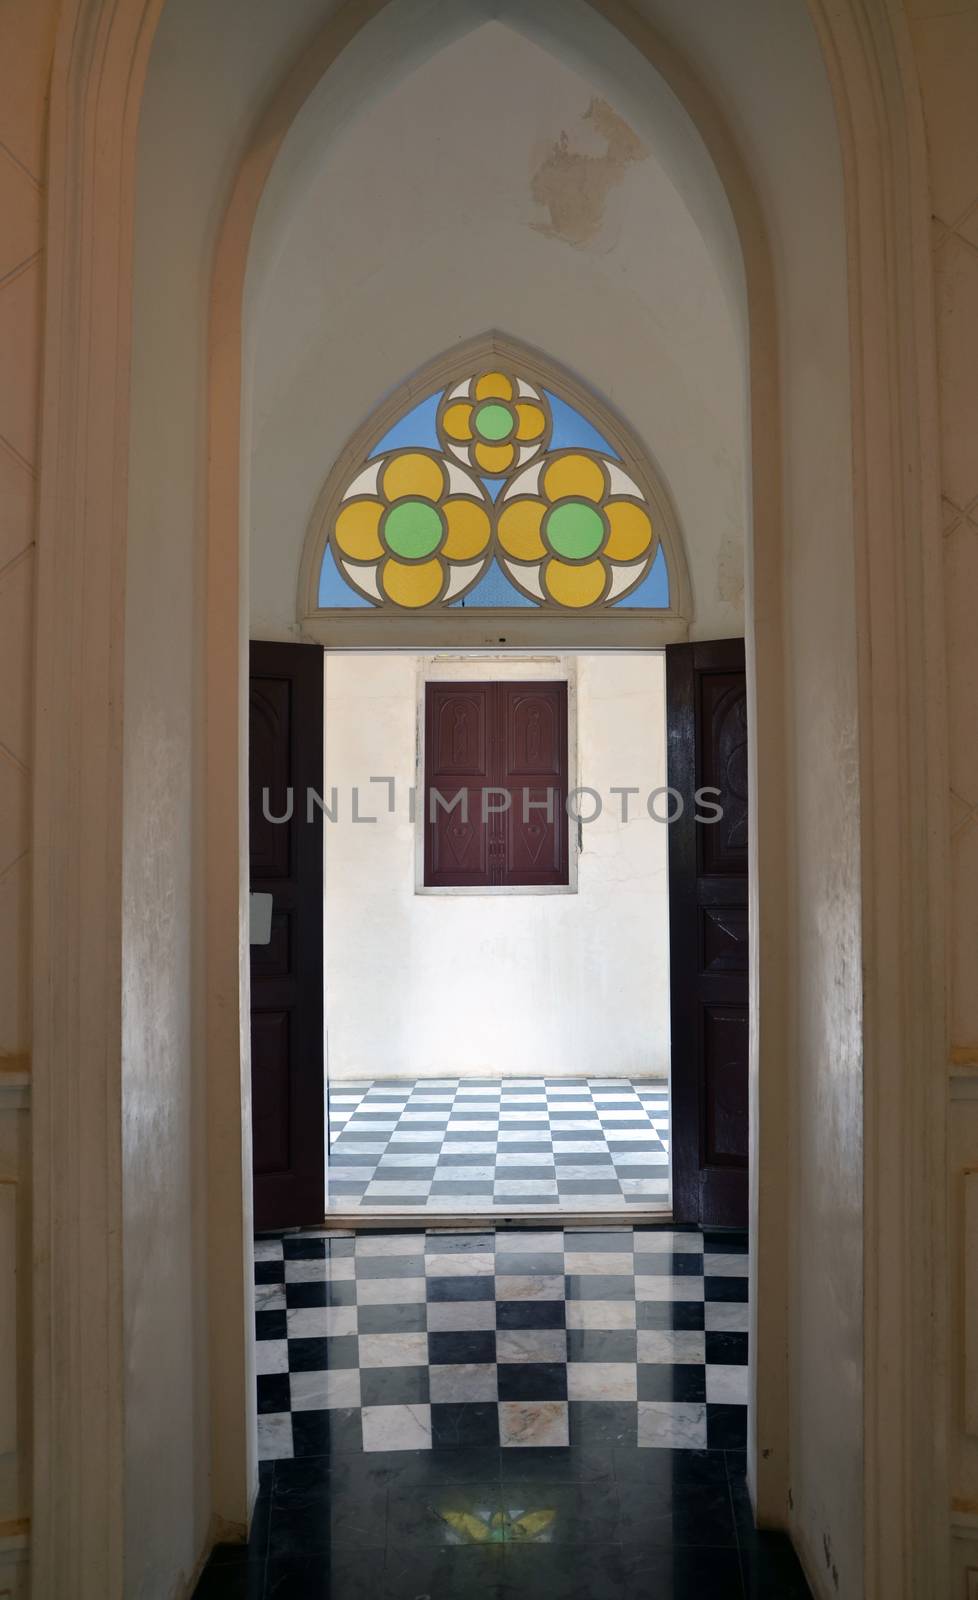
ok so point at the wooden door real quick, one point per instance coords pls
(287, 1045)
(495, 740)
(707, 744)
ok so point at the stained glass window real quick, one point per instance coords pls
(491, 492)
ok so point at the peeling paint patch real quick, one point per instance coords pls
(573, 185)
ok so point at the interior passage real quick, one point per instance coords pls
(511, 1145)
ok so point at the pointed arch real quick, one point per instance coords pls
(479, 491)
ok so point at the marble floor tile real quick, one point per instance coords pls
(269, 1297)
(341, 1270)
(322, 1391)
(727, 1385)
(393, 1349)
(275, 1436)
(542, 1287)
(671, 1345)
(607, 1314)
(603, 1261)
(461, 1264)
(532, 1424)
(271, 1355)
(461, 1316)
(391, 1291)
(725, 1265)
(728, 1316)
(396, 1427)
(671, 1425)
(667, 1288)
(463, 1381)
(320, 1322)
(599, 1380)
(531, 1344)
(529, 1241)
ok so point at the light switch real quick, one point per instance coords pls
(261, 919)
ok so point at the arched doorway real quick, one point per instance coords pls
(99, 526)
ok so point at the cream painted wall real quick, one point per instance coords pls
(945, 42)
(217, 62)
(28, 39)
(556, 223)
(436, 985)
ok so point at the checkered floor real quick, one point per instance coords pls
(498, 1145)
(508, 1339)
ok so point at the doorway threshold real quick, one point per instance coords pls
(484, 1221)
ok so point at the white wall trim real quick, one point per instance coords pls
(98, 73)
(904, 799)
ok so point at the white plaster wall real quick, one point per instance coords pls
(558, 984)
(447, 207)
(217, 62)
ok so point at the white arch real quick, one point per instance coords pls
(83, 1448)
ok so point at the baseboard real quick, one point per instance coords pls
(219, 1532)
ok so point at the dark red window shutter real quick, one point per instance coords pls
(458, 767)
(533, 768)
(509, 737)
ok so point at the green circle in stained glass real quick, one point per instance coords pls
(574, 529)
(413, 528)
(493, 421)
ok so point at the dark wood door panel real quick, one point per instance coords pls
(457, 837)
(535, 724)
(725, 1039)
(722, 713)
(270, 1100)
(458, 738)
(709, 930)
(457, 733)
(270, 753)
(287, 1042)
(723, 939)
(533, 772)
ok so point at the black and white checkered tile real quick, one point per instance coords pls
(508, 1145)
(416, 1341)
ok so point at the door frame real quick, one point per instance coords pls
(80, 1360)
(456, 656)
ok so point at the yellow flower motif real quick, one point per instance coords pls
(494, 422)
(412, 528)
(574, 529)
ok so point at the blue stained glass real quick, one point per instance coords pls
(493, 589)
(415, 429)
(572, 431)
(333, 587)
(653, 591)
